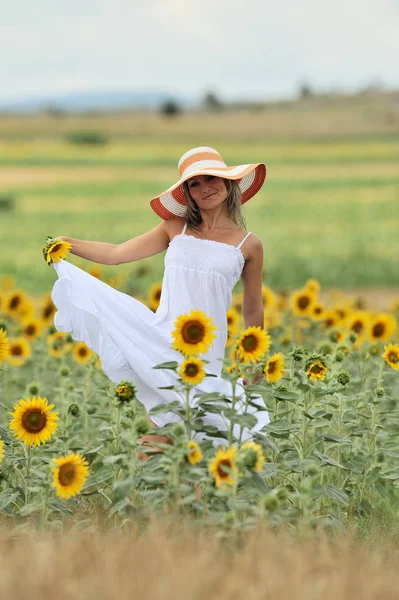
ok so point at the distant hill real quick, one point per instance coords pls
(93, 101)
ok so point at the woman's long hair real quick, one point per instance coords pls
(193, 216)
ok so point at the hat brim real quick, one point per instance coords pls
(172, 202)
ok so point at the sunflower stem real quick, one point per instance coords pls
(233, 402)
(27, 477)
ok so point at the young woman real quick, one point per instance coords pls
(207, 251)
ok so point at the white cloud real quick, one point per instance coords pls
(260, 47)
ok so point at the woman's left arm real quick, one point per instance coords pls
(252, 306)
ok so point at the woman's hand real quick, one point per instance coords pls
(255, 378)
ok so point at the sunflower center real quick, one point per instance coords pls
(316, 369)
(191, 370)
(16, 350)
(317, 310)
(378, 330)
(34, 420)
(393, 357)
(272, 367)
(357, 326)
(55, 248)
(225, 462)
(303, 302)
(48, 311)
(157, 295)
(67, 474)
(82, 352)
(15, 302)
(31, 329)
(329, 322)
(250, 343)
(193, 332)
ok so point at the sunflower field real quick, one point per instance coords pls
(73, 445)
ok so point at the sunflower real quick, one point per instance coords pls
(237, 302)
(192, 370)
(1, 451)
(193, 333)
(223, 467)
(56, 250)
(47, 309)
(330, 319)
(81, 353)
(251, 455)
(269, 299)
(317, 312)
(13, 302)
(60, 340)
(316, 369)
(56, 349)
(391, 355)
(19, 351)
(253, 343)
(31, 328)
(233, 319)
(302, 302)
(69, 474)
(381, 327)
(33, 422)
(358, 322)
(274, 369)
(234, 369)
(154, 296)
(312, 286)
(4, 347)
(193, 453)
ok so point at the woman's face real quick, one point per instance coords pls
(208, 191)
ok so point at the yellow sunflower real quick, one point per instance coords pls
(69, 474)
(274, 369)
(154, 296)
(316, 370)
(313, 286)
(192, 370)
(56, 250)
(60, 340)
(302, 302)
(237, 302)
(223, 467)
(269, 299)
(234, 368)
(193, 453)
(391, 355)
(19, 351)
(47, 309)
(81, 353)
(330, 318)
(233, 319)
(381, 327)
(253, 455)
(31, 328)
(2, 452)
(317, 312)
(4, 347)
(14, 302)
(33, 421)
(253, 343)
(193, 333)
(358, 322)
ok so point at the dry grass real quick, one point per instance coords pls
(186, 564)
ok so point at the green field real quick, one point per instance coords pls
(329, 208)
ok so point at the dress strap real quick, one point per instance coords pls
(184, 228)
(242, 241)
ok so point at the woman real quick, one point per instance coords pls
(207, 251)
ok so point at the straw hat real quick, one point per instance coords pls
(206, 161)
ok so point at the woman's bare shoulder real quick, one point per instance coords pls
(174, 226)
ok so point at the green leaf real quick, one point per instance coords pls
(286, 396)
(6, 497)
(334, 493)
(167, 365)
(327, 460)
(165, 407)
(329, 437)
(318, 414)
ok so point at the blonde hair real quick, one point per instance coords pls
(193, 215)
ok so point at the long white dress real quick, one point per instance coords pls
(131, 339)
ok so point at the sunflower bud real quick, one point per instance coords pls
(178, 431)
(339, 357)
(326, 348)
(248, 458)
(73, 410)
(52, 329)
(352, 337)
(298, 353)
(282, 494)
(141, 425)
(312, 469)
(281, 388)
(91, 410)
(70, 386)
(380, 392)
(64, 371)
(343, 378)
(34, 388)
(3, 325)
(271, 502)
(125, 392)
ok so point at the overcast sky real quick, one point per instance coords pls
(252, 48)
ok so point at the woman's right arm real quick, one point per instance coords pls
(147, 244)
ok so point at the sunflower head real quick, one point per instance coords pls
(223, 467)
(252, 344)
(69, 474)
(19, 350)
(154, 296)
(193, 453)
(391, 356)
(251, 456)
(193, 333)
(316, 368)
(192, 370)
(81, 353)
(55, 250)
(381, 327)
(4, 347)
(274, 369)
(34, 421)
(125, 392)
(302, 302)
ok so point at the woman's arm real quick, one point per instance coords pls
(252, 306)
(147, 244)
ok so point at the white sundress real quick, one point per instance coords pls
(131, 339)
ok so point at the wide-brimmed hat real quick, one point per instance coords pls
(206, 161)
